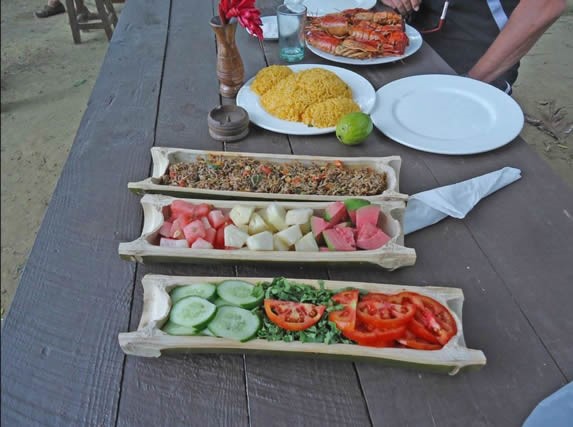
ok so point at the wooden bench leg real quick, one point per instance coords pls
(73, 18)
(112, 14)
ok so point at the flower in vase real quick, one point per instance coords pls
(245, 12)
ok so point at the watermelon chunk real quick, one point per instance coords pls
(318, 225)
(344, 224)
(177, 228)
(193, 231)
(165, 229)
(181, 208)
(173, 243)
(201, 210)
(216, 218)
(367, 215)
(335, 212)
(370, 237)
(206, 223)
(352, 205)
(201, 244)
(210, 234)
(339, 239)
(219, 242)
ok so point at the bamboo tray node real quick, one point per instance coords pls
(146, 248)
(150, 341)
(163, 157)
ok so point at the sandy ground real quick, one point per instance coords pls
(47, 80)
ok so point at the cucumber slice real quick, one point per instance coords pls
(235, 323)
(206, 332)
(220, 302)
(202, 290)
(175, 329)
(192, 312)
(239, 293)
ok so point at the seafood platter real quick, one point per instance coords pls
(359, 36)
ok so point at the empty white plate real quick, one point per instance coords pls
(446, 114)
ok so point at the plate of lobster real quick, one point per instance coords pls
(361, 37)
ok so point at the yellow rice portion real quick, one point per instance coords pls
(269, 77)
(327, 113)
(316, 96)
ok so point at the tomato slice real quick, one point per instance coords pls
(410, 340)
(432, 321)
(293, 316)
(345, 318)
(367, 335)
(383, 312)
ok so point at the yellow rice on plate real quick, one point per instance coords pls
(316, 96)
(269, 77)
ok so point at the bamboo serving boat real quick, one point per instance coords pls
(163, 157)
(146, 248)
(150, 341)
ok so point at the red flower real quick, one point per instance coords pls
(246, 13)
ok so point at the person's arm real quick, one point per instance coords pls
(403, 6)
(529, 20)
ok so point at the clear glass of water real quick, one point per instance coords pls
(291, 20)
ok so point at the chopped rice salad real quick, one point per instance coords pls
(250, 175)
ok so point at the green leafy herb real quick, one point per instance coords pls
(323, 332)
(255, 179)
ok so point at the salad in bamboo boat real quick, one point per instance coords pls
(344, 231)
(406, 325)
(221, 174)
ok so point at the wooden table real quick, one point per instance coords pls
(62, 365)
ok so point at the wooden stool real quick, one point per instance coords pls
(107, 18)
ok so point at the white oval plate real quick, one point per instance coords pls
(415, 44)
(324, 7)
(446, 114)
(362, 92)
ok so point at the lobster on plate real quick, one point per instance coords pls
(358, 33)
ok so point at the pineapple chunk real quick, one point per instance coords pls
(276, 216)
(298, 216)
(306, 244)
(263, 214)
(241, 214)
(261, 241)
(278, 244)
(290, 235)
(235, 237)
(257, 224)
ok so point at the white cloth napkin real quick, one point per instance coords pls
(455, 200)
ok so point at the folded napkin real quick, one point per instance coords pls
(555, 410)
(455, 200)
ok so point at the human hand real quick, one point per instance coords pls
(405, 7)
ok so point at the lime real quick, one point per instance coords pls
(353, 128)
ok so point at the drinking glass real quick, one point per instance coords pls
(291, 20)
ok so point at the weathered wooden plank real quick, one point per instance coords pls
(533, 255)
(182, 389)
(200, 390)
(189, 89)
(61, 364)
